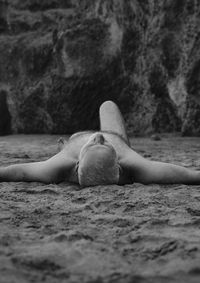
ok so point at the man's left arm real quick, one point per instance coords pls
(147, 172)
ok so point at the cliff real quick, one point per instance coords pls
(59, 60)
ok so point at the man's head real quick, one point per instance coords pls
(98, 163)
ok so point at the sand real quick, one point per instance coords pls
(133, 233)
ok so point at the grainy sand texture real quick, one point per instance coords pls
(134, 233)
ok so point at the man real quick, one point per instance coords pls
(100, 158)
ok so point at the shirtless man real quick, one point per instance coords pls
(100, 158)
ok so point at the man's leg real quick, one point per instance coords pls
(111, 119)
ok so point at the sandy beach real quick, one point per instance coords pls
(123, 234)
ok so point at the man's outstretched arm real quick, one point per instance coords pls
(147, 172)
(53, 170)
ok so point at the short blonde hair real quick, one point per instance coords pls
(98, 166)
(98, 175)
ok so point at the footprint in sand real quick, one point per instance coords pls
(71, 236)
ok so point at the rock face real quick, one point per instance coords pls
(59, 60)
(5, 121)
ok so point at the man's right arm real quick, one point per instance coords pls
(53, 170)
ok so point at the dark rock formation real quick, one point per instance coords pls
(61, 59)
(5, 118)
(3, 16)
